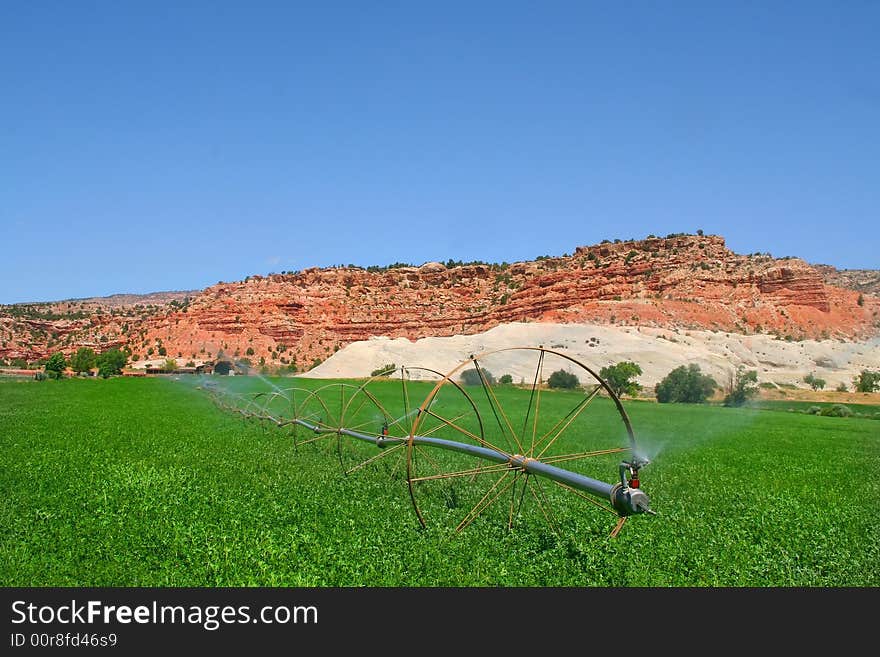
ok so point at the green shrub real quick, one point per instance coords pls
(385, 370)
(506, 379)
(744, 386)
(814, 382)
(563, 379)
(837, 410)
(84, 360)
(471, 377)
(111, 362)
(867, 381)
(685, 384)
(55, 366)
(620, 377)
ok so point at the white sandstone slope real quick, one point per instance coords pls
(657, 351)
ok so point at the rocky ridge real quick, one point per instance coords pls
(297, 319)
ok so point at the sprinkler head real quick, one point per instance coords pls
(629, 501)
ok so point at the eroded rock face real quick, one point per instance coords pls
(683, 281)
(860, 280)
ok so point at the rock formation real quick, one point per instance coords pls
(295, 319)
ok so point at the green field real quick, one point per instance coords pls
(869, 410)
(145, 482)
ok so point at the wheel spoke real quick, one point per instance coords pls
(514, 505)
(397, 463)
(538, 493)
(588, 499)
(522, 496)
(583, 455)
(359, 426)
(485, 502)
(464, 473)
(575, 412)
(373, 459)
(496, 408)
(405, 397)
(467, 433)
(399, 421)
(535, 389)
(341, 403)
(359, 408)
(316, 438)
(440, 426)
(428, 458)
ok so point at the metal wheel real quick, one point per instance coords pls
(389, 422)
(279, 407)
(528, 425)
(323, 410)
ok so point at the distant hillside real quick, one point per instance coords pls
(297, 319)
(125, 300)
(29, 331)
(861, 280)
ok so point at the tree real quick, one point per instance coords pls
(841, 387)
(505, 380)
(55, 366)
(84, 360)
(471, 377)
(745, 385)
(111, 362)
(170, 365)
(222, 367)
(563, 379)
(861, 299)
(814, 382)
(620, 378)
(867, 381)
(686, 385)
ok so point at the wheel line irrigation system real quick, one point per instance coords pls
(366, 433)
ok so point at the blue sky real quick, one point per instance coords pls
(152, 146)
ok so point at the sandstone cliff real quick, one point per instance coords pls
(295, 319)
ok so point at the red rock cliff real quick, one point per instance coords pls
(687, 280)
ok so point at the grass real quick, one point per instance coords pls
(131, 482)
(784, 405)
